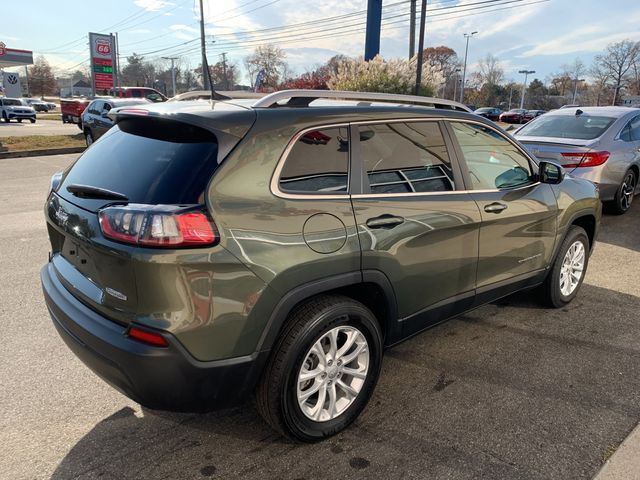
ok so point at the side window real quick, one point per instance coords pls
(106, 107)
(96, 107)
(492, 160)
(634, 129)
(136, 93)
(318, 163)
(625, 134)
(406, 157)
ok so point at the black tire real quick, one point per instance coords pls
(32, 120)
(276, 394)
(88, 137)
(552, 293)
(4, 117)
(624, 196)
(19, 120)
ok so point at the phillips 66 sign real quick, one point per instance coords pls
(102, 61)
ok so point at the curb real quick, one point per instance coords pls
(41, 152)
(624, 464)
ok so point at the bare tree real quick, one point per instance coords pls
(269, 58)
(617, 61)
(490, 70)
(600, 80)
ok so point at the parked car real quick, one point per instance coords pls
(13, 109)
(206, 95)
(600, 144)
(150, 94)
(95, 118)
(515, 115)
(71, 110)
(489, 112)
(531, 114)
(37, 105)
(201, 254)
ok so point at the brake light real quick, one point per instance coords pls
(157, 226)
(585, 159)
(134, 111)
(147, 337)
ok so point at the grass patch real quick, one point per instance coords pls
(49, 116)
(41, 142)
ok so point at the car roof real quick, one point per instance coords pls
(610, 111)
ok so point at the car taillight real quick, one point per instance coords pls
(157, 226)
(147, 337)
(585, 159)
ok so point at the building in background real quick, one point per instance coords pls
(631, 101)
(13, 57)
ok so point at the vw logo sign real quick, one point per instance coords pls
(12, 79)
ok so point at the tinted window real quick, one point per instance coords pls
(492, 160)
(318, 163)
(634, 129)
(584, 127)
(149, 161)
(94, 107)
(11, 102)
(136, 93)
(406, 157)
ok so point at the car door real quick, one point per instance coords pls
(518, 229)
(416, 224)
(91, 114)
(628, 148)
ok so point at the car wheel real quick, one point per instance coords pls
(19, 120)
(4, 117)
(88, 137)
(323, 369)
(32, 120)
(626, 191)
(568, 270)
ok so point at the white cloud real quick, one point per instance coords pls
(152, 5)
(582, 40)
(139, 31)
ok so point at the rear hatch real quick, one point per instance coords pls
(149, 161)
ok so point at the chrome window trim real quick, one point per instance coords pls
(275, 178)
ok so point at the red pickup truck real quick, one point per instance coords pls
(72, 108)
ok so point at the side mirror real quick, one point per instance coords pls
(550, 173)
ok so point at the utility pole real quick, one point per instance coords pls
(575, 88)
(224, 70)
(412, 29)
(510, 94)
(524, 85)
(206, 80)
(372, 36)
(419, 59)
(173, 74)
(118, 79)
(464, 70)
(114, 61)
(26, 77)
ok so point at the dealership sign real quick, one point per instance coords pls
(102, 61)
(3, 49)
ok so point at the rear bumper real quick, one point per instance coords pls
(159, 378)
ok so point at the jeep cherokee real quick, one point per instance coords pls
(202, 252)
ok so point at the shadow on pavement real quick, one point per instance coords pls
(507, 391)
(622, 230)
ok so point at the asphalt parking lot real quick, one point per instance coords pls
(509, 391)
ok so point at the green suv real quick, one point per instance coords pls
(202, 252)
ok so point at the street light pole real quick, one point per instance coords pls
(206, 79)
(575, 88)
(419, 58)
(464, 70)
(455, 83)
(524, 85)
(173, 74)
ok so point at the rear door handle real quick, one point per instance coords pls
(495, 207)
(385, 221)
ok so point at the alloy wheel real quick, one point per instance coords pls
(572, 268)
(627, 190)
(333, 373)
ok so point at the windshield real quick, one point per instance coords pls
(148, 161)
(482, 110)
(583, 127)
(11, 102)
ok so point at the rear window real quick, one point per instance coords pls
(150, 161)
(583, 127)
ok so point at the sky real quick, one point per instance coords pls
(539, 35)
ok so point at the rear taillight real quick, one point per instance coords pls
(157, 226)
(585, 159)
(147, 337)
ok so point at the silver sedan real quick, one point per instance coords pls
(601, 144)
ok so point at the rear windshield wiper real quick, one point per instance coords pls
(87, 191)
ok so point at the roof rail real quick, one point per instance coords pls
(302, 98)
